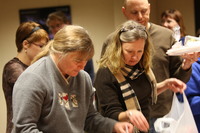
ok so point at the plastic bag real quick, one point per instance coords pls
(179, 120)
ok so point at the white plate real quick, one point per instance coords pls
(182, 50)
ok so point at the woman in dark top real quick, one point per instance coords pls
(30, 39)
(125, 84)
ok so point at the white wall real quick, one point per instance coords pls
(99, 17)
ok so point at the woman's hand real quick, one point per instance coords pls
(137, 119)
(123, 127)
(173, 84)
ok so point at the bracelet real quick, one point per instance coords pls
(129, 113)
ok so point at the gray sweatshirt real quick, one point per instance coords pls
(45, 102)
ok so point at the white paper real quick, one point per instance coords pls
(192, 44)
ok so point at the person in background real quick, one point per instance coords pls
(54, 94)
(163, 66)
(125, 83)
(173, 20)
(193, 92)
(193, 89)
(56, 21)
(30, 39)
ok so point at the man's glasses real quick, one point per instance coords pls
(58, 25)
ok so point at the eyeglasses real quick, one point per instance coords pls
(39, 45)
(58, 25)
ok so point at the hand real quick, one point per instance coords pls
(189, 59)
(123, 127)
(137, 119)
(175, 85)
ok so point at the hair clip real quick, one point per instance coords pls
(32, 31)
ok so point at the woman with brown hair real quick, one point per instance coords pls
(173, 19)
(30, 39)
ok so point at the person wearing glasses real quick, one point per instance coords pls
(55, 95)
(30, 39)
(125, 84)
(57, 20)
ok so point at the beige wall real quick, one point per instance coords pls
(99, 17)
(187, 11)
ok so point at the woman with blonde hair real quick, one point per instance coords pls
(57, 20)
(55, 95)
(125, 84)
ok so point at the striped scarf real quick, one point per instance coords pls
(128, 93)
